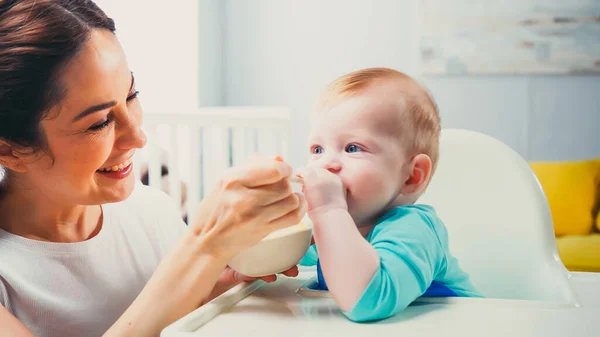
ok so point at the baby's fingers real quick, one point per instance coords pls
(306, 175)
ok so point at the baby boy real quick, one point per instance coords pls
(374, 147)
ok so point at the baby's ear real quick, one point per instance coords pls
(419, 174)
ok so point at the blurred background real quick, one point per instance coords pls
(523, 71)
(283, 52)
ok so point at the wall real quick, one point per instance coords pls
(282, 52)
(211, 57)
(176, 55)
(161, 43)
(542, 118)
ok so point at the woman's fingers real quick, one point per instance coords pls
(279, 208)
(289, 212)
(292, 272)
(259, 173)
(249, 202)
(269, 278)
(269, 194)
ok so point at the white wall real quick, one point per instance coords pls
(542, 118)
(175, 52)
(161, 43)
(211, 57)
(285, 52)
(282, 52)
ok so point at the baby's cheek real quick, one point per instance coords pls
(369, 184)
(312, 163)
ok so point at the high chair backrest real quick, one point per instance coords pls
(498, 219)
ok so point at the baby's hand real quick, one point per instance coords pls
(323, 190)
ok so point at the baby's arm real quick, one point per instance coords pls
(348, 261)
(410, 256)
(370, 281)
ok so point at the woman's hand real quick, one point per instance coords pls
(232, 277)
(246, 205)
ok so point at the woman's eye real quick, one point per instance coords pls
(317, 150)
(353, 148)
(102, 125)
(133, 96)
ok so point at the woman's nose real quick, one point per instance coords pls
(140, 138)
(133, 137)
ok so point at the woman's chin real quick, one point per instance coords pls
(118, 190)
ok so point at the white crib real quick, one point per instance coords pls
(197, 145)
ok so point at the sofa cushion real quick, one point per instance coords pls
(572, 189)
(580, 252)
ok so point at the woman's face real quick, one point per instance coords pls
(93, 132)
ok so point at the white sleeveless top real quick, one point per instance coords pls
(80, 289)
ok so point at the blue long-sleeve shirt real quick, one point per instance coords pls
(415, 261)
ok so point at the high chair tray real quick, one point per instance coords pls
(288, 308)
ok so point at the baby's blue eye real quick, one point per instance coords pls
(317, 150)
(353, 148)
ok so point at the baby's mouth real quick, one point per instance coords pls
(115, 168)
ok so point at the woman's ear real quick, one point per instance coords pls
(11, 158)
(419, 174)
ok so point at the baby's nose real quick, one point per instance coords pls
(333, 166)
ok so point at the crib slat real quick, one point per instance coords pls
(239, 145)
(282, 143)
(154, 176)
(251, 141)
(200, 159)
(267, 142)
(194, 193)
(215, 151)
(173, 176)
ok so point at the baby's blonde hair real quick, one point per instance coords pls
(423, 128)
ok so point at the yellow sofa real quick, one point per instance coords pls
(573, 192)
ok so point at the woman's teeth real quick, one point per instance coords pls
(116, 167)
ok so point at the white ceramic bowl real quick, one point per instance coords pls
(278, 252)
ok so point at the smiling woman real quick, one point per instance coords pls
(96, 92)
(85, 250)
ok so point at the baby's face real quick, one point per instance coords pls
(358, 139)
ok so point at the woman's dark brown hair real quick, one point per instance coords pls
(37, 39)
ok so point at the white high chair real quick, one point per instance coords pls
(500, 230)
(498, 219)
